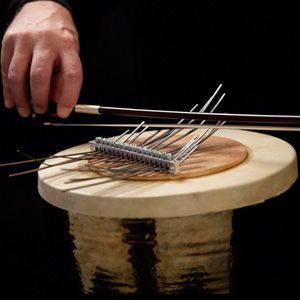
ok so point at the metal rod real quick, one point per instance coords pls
(65, 162)
(197, 126)
(41, 159)
(165, 114)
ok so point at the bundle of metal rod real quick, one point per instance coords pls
(140, 155)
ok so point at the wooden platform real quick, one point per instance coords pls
(269, 169)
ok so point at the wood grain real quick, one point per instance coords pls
(214, 155)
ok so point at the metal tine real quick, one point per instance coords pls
(106, 168)
(185, 147)
(25, 154)
(129, 166)
(117, 175)
(116, 160)
(200, 140)
(212, 131)
(112, 162)
(191, 130)
(108, 161)
(144, 143)
(119, 137)
(41, 159)
(169, 133)
(191, 121)
(138, 134)
(139, 169)
(205, 135)
(100, 157)
(134, 131)
(130, 169)
(54, 156)
(70, 160)
(153, 172)
(175, 131)
(117, 164)
(29, 156)
(194, 142)
(150, 139)
(72, 180)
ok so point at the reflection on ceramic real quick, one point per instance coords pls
(177, 255)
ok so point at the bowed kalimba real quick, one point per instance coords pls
(151, 210)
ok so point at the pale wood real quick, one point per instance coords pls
(269, 170)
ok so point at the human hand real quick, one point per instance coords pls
(40, 49)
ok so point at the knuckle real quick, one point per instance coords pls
(44, 34)
(73, 74)
(8, 38)
(14, 76)
(24, 36)
(69, 40)
(37, 75)
(11, 37)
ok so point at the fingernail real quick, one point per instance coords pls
(64, 112)
(9, 104)
(39, 109)
(24, 112)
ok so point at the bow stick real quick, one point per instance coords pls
(166, 114)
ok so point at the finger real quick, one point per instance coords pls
(71, 72)
(17, 74)
(56, 84)
(6, 55)
(40, 79)
(7, 95)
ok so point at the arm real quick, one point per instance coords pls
(41, 46)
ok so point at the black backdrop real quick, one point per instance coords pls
(170, 56)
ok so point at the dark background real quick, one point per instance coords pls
(167, 56)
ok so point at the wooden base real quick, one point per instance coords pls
(269, 169)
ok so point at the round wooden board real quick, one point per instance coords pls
(213, 155)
